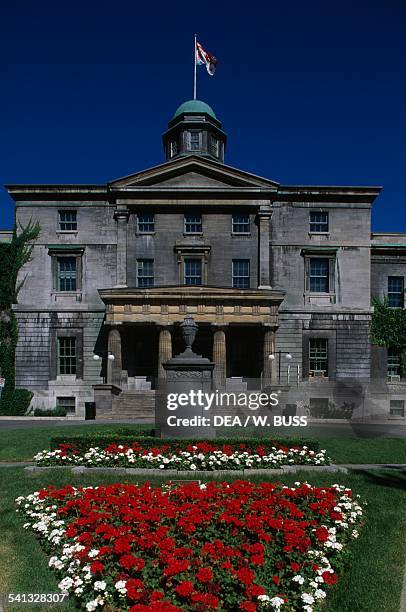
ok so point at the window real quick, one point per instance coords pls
(67, 221)
(393, 362)
(194, 141)
(193, 224)
(241, 224)
(145, 272)
(319, 275)
(318, 357)
(146, 223)
(193, 271)
(67, 403)
(396, 295)
(67, 355)
(214, 146)
(318, 222)
(397, 408)
(241, 273)
(67, 274)
(173, 148)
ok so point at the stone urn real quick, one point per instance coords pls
(189, 331)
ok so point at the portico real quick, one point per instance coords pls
(236, 330)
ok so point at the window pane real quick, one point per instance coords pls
(68, 403)
(67, 273)
(318, 221)
(318, 356)
(393, 362)
(145, 272)
(194, 141)
(397, 408)
(396, 291)
(67, 220)
(214, 146)
(67, 355)
(241, 273)
(319, 275)
(241, 224)
(146, 222)
(193, 272)
(173, 147)
(193, 224)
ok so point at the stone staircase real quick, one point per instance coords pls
(134, 404)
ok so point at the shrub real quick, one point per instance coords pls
(145, 440)
(16, 403)
(57, 412)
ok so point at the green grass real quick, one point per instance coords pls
(22, 444)
(371, 582)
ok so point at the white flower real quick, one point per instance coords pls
(276, 602)
(307, 598)
(298, 578)
(65, 584)
(120, 586)
(100, 585)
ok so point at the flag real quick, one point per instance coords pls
(204, 57)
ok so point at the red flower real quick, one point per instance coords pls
(276, 580)
(248, 606)
(129, 561)
(204, 574)
(321, 534)
(329, 578)
(96, 567)
(184, 588)
(246, 575)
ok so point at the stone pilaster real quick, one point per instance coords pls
(219, 357)
(264, 222)
(114, 365)
(164, 348)
(121, 216)
(269, 367)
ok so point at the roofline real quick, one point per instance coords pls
(372, 189)
(198, 158)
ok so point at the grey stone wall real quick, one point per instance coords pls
(224, 247)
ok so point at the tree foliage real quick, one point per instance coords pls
(13, 256)
(388, 326)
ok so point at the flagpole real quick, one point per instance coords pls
(194, 81)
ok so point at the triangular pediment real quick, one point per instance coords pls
(192, 172)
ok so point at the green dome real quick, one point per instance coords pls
(194, 106)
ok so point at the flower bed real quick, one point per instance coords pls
(192, 456)
(220, 546)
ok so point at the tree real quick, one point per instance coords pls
(388, 328)
(13, 256)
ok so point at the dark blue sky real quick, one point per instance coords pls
(308, 92)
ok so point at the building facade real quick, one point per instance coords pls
(279, 279)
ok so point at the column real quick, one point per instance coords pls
(114, 365)
(219, 357)
(121, 216)
(264, 222)
(269, 367)
(164, 348)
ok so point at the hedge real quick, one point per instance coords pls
(16, 403)
(146, 440)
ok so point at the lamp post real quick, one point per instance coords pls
(109, 355)
(288, 357)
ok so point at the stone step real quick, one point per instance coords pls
(134, 404)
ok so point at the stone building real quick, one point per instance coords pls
(278, 277)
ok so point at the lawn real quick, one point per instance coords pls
(371, 583)
(22, 444)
